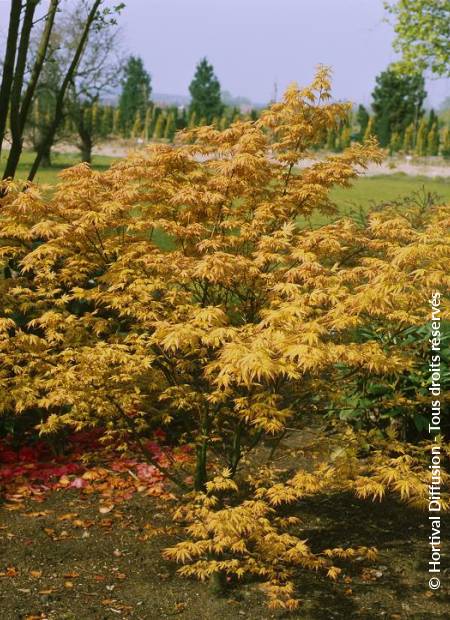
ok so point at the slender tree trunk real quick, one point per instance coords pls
(39, 62)
(201, 475)
(86, 144)
(16, 90)
(46, 161)
(8, 65)
(50, 135)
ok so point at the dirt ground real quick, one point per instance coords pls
(63, 559)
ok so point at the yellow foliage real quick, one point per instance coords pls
(181, 287)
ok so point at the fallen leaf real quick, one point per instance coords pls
(71, 575)
(68, 517)
(36, 573)
(105, 509)
(68, 585)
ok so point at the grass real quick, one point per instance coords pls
(60, 161)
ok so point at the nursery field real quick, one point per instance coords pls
(364, 191)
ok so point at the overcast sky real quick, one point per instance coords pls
(254, 43)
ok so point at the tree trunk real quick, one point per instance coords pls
(46, 161)
(8, 65)
(217, 583)
(86, 148)
(16, 91)
(39, 61)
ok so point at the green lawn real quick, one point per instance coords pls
(59, 162)
(364, 192)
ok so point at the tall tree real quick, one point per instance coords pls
(362, 118)
(20, 100)
(8, 65)
(135, 95)
(205, 93)
(422, 138)
(97, 75)
(91, 18)
(433, 140)
(422, 30)
(397, 101)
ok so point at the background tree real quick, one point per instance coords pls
(422, 30)
(396, 101)
(205, 91)
(97, 76)
(18, 98)
(433, 140)
(369, 129)
(135, 96)
(408, 139)
(395, 143)
(169, 131)
(96, 73)
(8, 65)
(93, 18)
(445, 149)
(422, 138)
(362, 118)
(160, 124)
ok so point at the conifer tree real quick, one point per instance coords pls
(331, 139)
(224, 122)
(345, 137)
(397, 101)
(169, 130)
(160, 124)
(148, 123)
(108, 120)
(205, 92)
(422, 138)
(192, 119)
(135, 95)
(409, 139)
(395, 144)
(433, 140)
(136, 129)
(117, 125)
(369, 129)
(445, 149)
(362, 118)
(432, 118)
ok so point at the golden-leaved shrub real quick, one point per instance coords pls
(183, 288)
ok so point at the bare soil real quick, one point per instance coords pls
(63, 559)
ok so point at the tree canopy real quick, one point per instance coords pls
(397, 101)
(136, 90)
(422, 30)
(205, 92)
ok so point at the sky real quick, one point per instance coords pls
(254, 43)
